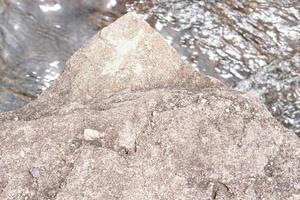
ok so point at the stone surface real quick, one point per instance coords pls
(90, 134)
(165, 131)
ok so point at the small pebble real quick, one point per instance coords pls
(204, 140)
(35, 172)
(194, 109)
(22, 153)
(154, 113)
(203, 100)
(247, 105)
(90, 134)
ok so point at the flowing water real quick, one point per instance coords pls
(252, 45)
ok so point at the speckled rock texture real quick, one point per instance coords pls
(129, 120)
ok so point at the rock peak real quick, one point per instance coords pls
(131, 55)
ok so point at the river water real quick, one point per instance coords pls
(252, 45)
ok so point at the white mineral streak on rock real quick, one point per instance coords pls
(122, 49)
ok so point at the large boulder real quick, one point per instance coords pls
(128, 119)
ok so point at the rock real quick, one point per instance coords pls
(35, 172)
(170, 132)
(90, 134)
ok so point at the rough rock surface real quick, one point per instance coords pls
(130, 120)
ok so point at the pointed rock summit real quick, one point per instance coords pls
(129, 120)
(130, 55)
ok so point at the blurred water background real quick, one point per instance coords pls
(251, 45)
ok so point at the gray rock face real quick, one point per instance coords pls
(130, 120)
